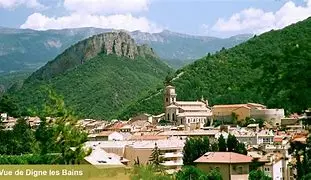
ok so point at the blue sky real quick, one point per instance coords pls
(200, 17)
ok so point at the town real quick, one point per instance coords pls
(266, 134)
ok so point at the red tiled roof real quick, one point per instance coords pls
(278, 139)
(223, 157)
(117, 126)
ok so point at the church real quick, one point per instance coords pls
(189, 114)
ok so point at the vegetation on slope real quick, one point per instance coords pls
(273, 68)
(100, 87)
(10, 79)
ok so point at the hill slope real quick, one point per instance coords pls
(273, 68)
(97, 77)
(25, 49)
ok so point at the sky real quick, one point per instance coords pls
(221, 18)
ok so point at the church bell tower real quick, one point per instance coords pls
(169, 96)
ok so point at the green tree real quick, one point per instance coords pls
(8, 105)
(147, 172)
(67, 138)
(155, 157)
(44, 136)
(232, 143)
(214, 147)
(222, 145)
(193, 173)
(258, 175)
(298, 149)
(241, 149)
(195, 148)
(190, 173)
(23, 138)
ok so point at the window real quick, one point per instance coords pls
(168, 116)
(240, 170)
(173, 116)
(166, 99)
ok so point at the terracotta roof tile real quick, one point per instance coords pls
(224, 157)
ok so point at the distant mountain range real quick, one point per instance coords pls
(26, 49)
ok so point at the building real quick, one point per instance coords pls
(272, 116)
(140, 151)
(191, 114)
(232, 166)
(100, 157)
(249, 110)
(119, 136)
(274, 168)
(265, 137)
(226, 112)
(4, 116)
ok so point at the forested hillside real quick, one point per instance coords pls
(273, 68)
(97, 77)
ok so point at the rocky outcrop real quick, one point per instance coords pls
(118, 43)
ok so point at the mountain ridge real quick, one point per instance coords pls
(96, 77)
(118, 43)
(26, 49)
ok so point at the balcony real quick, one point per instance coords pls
(172, 163)
(173, 155)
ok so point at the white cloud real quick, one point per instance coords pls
(127, 21)
(106, 6)
(11, 4)
(254, 20)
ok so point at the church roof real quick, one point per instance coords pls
(183, 103)
(194, 108)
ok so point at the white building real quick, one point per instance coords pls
(191, 114)
(100, 157)
(274, 168)
(4, 116)
(272, 116)
(119, 136)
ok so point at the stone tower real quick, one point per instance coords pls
(169, 96)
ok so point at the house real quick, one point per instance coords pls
(102, 136)
(254, 127)
(4, 116)
(249, 110)
(170, 150)
(126, 128)
(265, 137)
(119, 136)
(100, 157)
(191, 114)
(275, 166)
(232, 166)
(226, 112)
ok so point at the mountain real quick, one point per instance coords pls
(97, 77)
(26, 49)
(273, 68)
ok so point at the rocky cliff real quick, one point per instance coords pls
(118, 43)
